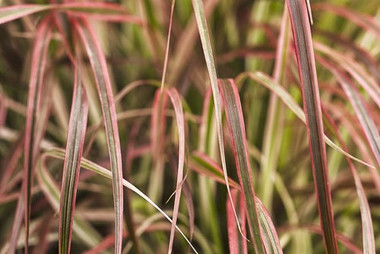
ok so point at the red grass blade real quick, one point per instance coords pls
(82, 230)
(366, 120)
(176, 101)
(349, 65)
(268, 82)
(10, 13)
(204, 165)
(209, 57)
(365, 212)
(235, 121)
(59, 153)
(362, 20)
(71, 166)
(31, 143)
(233, 233)
(309, 84)
(99, 67)
(269, 233)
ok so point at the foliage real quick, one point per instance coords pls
(260, 119)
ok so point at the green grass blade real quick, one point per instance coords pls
(280, 91)
(269, 233)
(176, 101)
(209, 57)
(311, 101)
(235, 121)
(71, 166)
(99, 67)
(81, 229)
(366, 120)
(59, 154)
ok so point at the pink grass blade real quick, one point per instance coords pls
(236, 126)
(269, 83)
(273, 134)
(59, 154)
(157, 137)
(31, 143)
(71, 166)
(202, 164)
(269, 233)
(81, 229)
(209, 57)
(176, 101)
(167, 45)
(363, 114)
(366, 81)
(365, 212)
(364, 21)
(233, 234)
(311, 102)
(10, 13)
(103, 82)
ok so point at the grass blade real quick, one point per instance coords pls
(269, 233)
(235, 121)
(209, 57)
(10, 13)
(59, 154)
(269, 83)
(204, 165)
(81, 229)
(31, 143)
(176, 101)
(99, 67)
(365, 212)
(366, 121)
(309, 85)
(71, 166)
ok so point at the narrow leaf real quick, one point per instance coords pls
(103, 82)
(81, 229)
(365, 212)
(71, 166)
(280, 91)
(10, 13)
(31, 143)
(236, 126)
(209, 57)
(269, 233)
(366, 121)
(311, 102)
(59, 154)
(176, 101)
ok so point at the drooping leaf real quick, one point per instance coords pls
(176, 101)
(33, 135)
(209, 57)
(59, 154)
(268, 82)
(10, 13)
(103, 82)
(235, 121)
(88, 235)
(269, 233)
(365, 212)
(364, 116)
(71, 166)
(314, 124)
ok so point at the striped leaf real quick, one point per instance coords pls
(310, 93)
(71, 166)
(103, 82)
